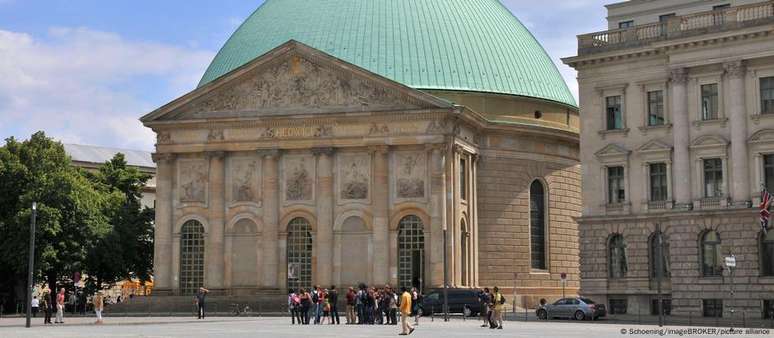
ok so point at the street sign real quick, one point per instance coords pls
(731, 261)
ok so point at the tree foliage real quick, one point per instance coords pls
(86, 222)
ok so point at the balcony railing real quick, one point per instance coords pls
(677, 26)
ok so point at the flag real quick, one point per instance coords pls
(765, 215)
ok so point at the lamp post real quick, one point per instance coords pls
(31, 264)
(445, 279)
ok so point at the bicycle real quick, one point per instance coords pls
(238, 309)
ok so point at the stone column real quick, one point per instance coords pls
(382, 253)
(437, 212)
(737, 113)
(455, 231)
(474, 219)
(324, 240)
(681, 132)
(164, 224)
(216, 209)
(270, 218)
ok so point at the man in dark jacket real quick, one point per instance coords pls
(333, 299)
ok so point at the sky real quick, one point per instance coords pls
(85, 71)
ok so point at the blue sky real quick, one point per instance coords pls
(84, 71)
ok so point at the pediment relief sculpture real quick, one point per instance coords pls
(354, 171)
(411, 172)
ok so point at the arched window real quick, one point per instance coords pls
(299, 254)
(617, 251)
(411, 251)
(653, 244)
(710, 254)
(537, 222)
(767, 253)
(191, 257)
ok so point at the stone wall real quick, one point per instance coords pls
(504, 178)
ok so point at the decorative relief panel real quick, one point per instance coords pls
(245, 180)
(354, 176)
(299, 178)
(192, 181)
(411, 172)
(286, 86)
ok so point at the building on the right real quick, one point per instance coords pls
(677, 136)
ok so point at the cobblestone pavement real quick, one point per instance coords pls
(280, 327)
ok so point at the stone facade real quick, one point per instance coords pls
(331, 174)
(674, 113)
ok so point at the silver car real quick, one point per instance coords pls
(579, 308)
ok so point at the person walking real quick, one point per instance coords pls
(294, 304)
(60, 306)
(393, 307)
(351, 306)
(99, 305)
(200, 297)
(405, 312)
(499, 303)
(333, 300)
(416, 299)
(483, 300)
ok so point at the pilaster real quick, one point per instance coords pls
(270, 266)
(381, 263)
(324, 240)
(162, 244)
(437, 212)
(681, 134)
(740, 186)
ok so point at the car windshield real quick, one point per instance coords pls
(586, 300)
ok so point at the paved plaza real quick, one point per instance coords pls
(279, 327)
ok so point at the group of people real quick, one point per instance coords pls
(55, 303)
(364, 306)
(492, 306)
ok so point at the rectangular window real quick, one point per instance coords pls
(720, 7)
(463, 183)
(713, 177)
(626, 24)
(665, 17)
(713, 307)
(768, 172)
(614, 117)
(658, 182)
(709, 101)
(767, 95)
(618, 306)
(615, 185)
(666, 306)
(656, 108)
(768, 308)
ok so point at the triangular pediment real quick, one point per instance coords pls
(294, 79)
(654, 146)
(612, 150)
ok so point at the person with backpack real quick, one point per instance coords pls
(317, 304)
(306, 303)
(499, 304)
(294, 304)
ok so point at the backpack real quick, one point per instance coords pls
(315, 298)
(502, 299)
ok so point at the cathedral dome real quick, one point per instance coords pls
(450, 45)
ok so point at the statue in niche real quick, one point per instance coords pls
(355, 180)
(411, 183)
(242, 188)
(299, 183)
(193, 180)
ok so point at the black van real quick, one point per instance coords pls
(465, 301)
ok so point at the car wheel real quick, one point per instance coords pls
(542, 314)
(579, 315)
(467, 312)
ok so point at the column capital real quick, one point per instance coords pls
(162, 157)
(679, 75)
(328, 151)
(268, 153)
(734, 69)
(215, 154)
(379, 149)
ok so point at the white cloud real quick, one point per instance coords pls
(85, 86)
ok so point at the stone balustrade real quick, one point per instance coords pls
(677, 27)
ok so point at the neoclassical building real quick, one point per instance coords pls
(677, 106)
(338, 143)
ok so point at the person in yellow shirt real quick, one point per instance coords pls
(499, 302)
(405, 312)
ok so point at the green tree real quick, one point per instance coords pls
(71, 212)
(127, 251)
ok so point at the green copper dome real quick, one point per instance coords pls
(465, 45)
